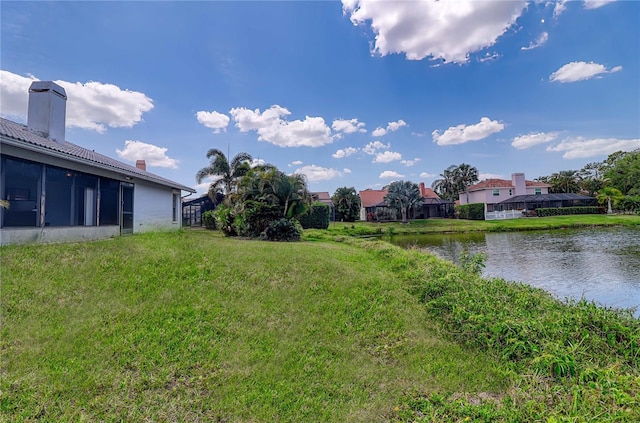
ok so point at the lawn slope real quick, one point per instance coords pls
(191, 326)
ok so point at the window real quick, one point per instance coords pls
(496, 192)
(21, 182)
(538, 191)
(109, 204)
(510, 191)
(176, 206)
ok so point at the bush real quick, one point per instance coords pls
(474, 211)
(256, 218)
(317, 217)
(209, 219)
(282, 230)
(225, 218)
(562, 211)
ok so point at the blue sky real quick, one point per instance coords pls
(352, 93)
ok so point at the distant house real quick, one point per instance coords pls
(58, 191)
(501, 196)
(373, 207)
(325, 198)
(493, 191)
(433, 205)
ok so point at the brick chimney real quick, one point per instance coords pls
(47, 110)
(422, 189)
(141, 164)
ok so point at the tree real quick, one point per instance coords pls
(269, 185)
(454, 180)
(347, 204)
(228, 173)
(610, 195)
(565, 181)
(403, 195)
(624, 173)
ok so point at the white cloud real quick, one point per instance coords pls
(464, 133)
(389, 174)
(579, 71)
(344, 153)
(257, 162)
(372, 147)
(272, 127)
(346, 170)
(525, 141)
(391, 127)
(580, 147)
(594, 4)
(427, 175)
(387, 157)
(348, 126)
(489, 57)
(154, 156)
(317, 173)
(411, 162)
(379, 132)
(448, 30)
(483, 176)
(295, 163)
(214, 120)
(559, 7)
(543, 38)
(92, 105)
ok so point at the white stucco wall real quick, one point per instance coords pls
(532, 190)
(153, 208)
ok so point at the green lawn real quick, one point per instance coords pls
(196, 327)
(192, 326)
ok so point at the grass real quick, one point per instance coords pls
(432, 226)
(191, 326)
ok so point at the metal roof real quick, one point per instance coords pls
(545, 198)
(18, 135)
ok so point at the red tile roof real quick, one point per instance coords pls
(372, 197)
(429, 193)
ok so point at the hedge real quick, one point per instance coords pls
(317, 217)
(561, 211)
(474, 211)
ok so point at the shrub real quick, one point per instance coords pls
(317, 217)
(256, 218)
(282, 230)
(562, 211)
(474, 211)
(209, 219)
(225, 218)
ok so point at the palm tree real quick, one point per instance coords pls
(403, 195)
(288, 192)
(565, 181)
(445, 187)
(465, 176)
(347, 204)
(610, 195)
(228, 174)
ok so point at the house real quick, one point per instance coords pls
(493, 191)
(325, 198)
(433, 205)
(58, 191)
(373, 207)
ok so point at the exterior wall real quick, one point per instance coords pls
(153, 208)
(10, 236)
(532, 190)
(489, 198)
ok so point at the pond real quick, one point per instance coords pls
(599, 264)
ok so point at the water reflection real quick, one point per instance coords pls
(600, 264)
